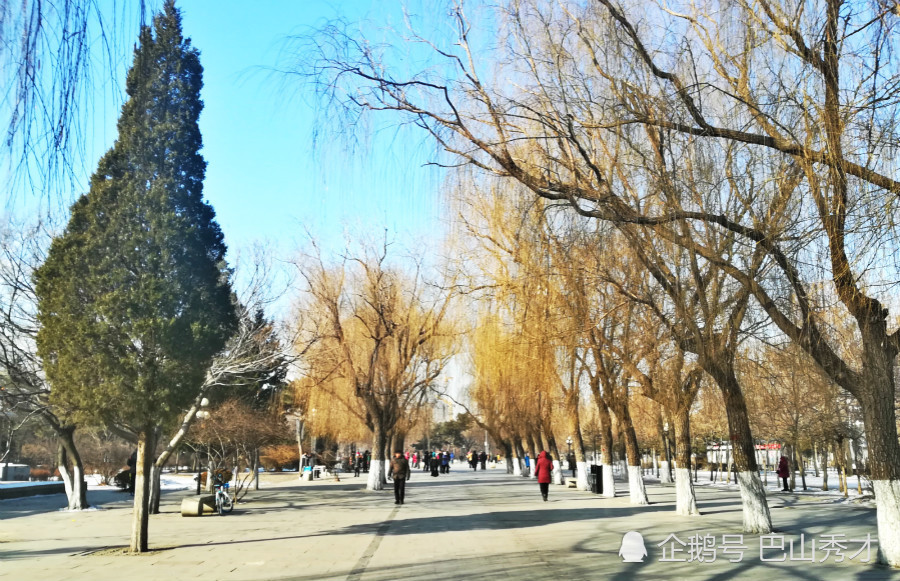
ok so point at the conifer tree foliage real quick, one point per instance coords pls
(134, 297)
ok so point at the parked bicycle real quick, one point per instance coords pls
(223, 500)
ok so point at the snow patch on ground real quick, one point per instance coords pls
(21, 483)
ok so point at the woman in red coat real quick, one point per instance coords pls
(542, 469)
(783, 472)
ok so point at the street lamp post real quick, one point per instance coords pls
(569, 455)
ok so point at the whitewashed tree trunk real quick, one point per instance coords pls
(67, 482)
(73, 482)
(74, 486)
(636, 489)
(517, 466)
(887, 502)
(685, 499)
(380, 458)
(557, 472)
(79, 487)
(757, 519)
(376, 475)
(665, 475)
(609, 481)
(581, 476)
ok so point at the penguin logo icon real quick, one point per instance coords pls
(633, 550)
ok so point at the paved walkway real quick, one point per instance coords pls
(472, 526)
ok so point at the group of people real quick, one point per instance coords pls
(439, 463)
(475, 458)
(361, 462)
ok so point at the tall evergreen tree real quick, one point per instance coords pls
(134, 297)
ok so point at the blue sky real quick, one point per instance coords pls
(264, 177)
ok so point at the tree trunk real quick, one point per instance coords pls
(799, 461)
(511, 460)
(376, 466)
(816, 459)
(298, 431)
(574, 421)
(519, 468)
(837, 446)
(727, 468)
(757, 519)
(685, 499)
(141, 516)
(256, 469)
(606, 451)
(155, 488)
(558, 465)
(170, 448)
(876, 397)
(606, 440)
(825, 468)
(664, 470)
(396, 443)
(76, 487)
(531, 442)
(636, 489)
(516, 464)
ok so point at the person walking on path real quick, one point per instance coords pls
(435, 464)
(783, 472)
(400, 472)
(543, 467)
(483, 459)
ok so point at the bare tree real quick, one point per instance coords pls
(233, 433)
(384, 340)
(26, 391)
(50, 68)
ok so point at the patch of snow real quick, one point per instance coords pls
(23, 483)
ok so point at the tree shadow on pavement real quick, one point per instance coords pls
(500, 520)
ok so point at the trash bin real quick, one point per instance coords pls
(596, 479)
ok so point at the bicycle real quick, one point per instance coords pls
(223, 500)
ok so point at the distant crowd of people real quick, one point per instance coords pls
(440, 461)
